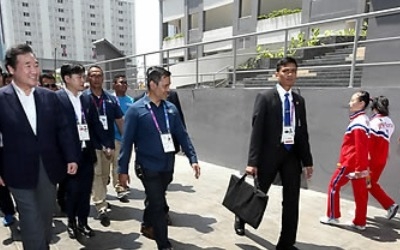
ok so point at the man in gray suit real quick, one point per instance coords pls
(36, 146)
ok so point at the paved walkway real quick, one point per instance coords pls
(201, 222)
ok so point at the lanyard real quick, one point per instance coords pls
(101, 103)
(82, 116)
(155, 119)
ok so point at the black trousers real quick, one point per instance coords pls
(78, 189)
(288, 166)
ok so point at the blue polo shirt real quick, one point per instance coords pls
(124, 102)
(140, 130)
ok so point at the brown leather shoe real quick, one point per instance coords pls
(147, 231)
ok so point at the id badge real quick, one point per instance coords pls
(103, 120)
(168, 143)
(288, 135)
(83, 132)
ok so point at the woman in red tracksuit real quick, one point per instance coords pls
(382, 129)
(353, 165)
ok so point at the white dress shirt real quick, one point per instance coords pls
(76, 103)
(28, 104)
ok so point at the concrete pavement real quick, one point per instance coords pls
(201, 222)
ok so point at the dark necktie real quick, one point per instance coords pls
(287, 116)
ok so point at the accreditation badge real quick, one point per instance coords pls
(168, 143)
(104, 122)
(288, 135)
(83, 132)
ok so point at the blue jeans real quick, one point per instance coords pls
(155, 185)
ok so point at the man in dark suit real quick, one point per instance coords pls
(87, 126)
(37, 152)
(279, 144)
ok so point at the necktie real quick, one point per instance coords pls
(287, 116)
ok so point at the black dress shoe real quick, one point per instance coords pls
(85, 230)
(239, 226)
(71, 229)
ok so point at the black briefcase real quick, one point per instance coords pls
(246, 201)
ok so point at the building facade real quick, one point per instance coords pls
(64, 30)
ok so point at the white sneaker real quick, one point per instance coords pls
(392, 211)
(357, 227)
(329, 221)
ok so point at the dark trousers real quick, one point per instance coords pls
(288, 166)
(78, 188)
(155, 185)
(36, 207)
(6, 202)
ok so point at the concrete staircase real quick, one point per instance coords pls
(325, 76)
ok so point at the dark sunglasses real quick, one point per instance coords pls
(50, 85)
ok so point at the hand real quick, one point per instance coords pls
(124, 179)
(72, 167)
(309, 172)
(2, 183)
(196, 169)
(251, 170)
(108, 152)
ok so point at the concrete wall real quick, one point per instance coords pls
(219, 124)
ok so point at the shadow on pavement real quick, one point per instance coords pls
(200, 223)
(183, 246)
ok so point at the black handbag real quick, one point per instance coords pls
(246, 201)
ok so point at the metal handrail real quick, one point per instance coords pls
(357, 17)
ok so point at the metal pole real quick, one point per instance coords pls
(285, 48)
(55, 60)
(354, 59)
(197, 67)
(234, 64)
(161, 31)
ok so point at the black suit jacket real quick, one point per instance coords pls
(23, 149)
(266, 134)
(92, 120)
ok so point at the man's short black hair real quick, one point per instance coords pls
(13, 52)
(46, 75)
(97, 67)
(70, 69)
(285, 61)
(117, 76)
(155, 74)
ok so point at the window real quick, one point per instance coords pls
(24, 4)
(61, 19)
(120, 12)
(60, 10)
(121, 44)
(64, 50)
(121, 28)
(245, 8)
(28, 33)
(29, 42)
(120, 20)
(59, 1)
(62, 28)
(27, 24)
(194, 21)
(91, 7)
(26, 14)
(120, 3)
(121, 36)
(92, 24)
(62, 37)
(93, 32)
(92, 15)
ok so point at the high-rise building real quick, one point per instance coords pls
(64, 30)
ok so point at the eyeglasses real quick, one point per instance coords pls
(53, 85)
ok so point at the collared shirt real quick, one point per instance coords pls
(76, 103)
(124, 102)
(140, 129)
(28, 104)
(282, 93)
